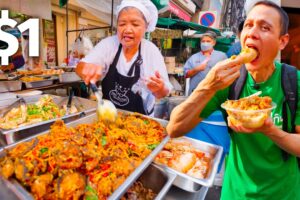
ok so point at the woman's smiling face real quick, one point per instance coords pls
(131, 27)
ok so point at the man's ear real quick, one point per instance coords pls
(214, 42)
(284, 40)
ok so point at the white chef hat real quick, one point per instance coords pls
(146, 7)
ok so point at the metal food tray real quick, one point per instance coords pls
(192, 184)
(158, 180)
(69, 77)
(8, 86)
(118, 193)
(36, 84)
(84, 106)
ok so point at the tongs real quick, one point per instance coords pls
(106, 110)
(69, 104)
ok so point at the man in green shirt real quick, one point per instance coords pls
(255, 168)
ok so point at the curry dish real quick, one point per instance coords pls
(89, 161)
(183, 157)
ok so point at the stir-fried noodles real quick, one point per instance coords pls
(90, 160)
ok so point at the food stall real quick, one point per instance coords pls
(34, 140)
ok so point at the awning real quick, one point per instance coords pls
(182, 25)
(176, 10)
(160, 3)
(33, 8)
(101, 9)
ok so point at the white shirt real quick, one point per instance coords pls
(105, 51)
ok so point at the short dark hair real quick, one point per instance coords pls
(241, 26)
(284, 18)
(210, 34)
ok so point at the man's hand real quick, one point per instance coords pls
(267, 128)
(192, 72)
(90, 73)
(157, 85)
(203, 64)
(220, 76)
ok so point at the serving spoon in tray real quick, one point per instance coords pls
(254, 94)
(106, 110)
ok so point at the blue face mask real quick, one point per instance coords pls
(205, 46)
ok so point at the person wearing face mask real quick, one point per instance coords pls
(132, 69)
(199, 64)
(263, 162)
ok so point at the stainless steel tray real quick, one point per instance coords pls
(190, 183)
(118, 193)
(8, 86)
(69, 77)
(158, 180)
(84, 105)
(42, 83)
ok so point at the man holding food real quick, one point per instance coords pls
(255, 168)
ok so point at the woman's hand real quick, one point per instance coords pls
(90, 73)
(157, 86)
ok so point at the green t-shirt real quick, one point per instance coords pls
(255, 167)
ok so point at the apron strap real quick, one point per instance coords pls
(151, 111)
(116, 59)
(136, 65)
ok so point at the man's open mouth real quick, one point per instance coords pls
(256, 49)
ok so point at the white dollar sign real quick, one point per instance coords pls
(11, 40)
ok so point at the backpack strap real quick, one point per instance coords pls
(290, 90)
(237, 86)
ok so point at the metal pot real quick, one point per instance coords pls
(161, 108)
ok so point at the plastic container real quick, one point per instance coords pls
(248, 118)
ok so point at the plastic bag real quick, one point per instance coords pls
(101, 9)
(82, 46)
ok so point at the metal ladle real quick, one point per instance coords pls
(106, 110)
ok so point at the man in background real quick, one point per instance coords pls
(199, 64)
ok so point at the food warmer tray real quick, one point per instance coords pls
(41, 83)
(118, 193)
(68, 77)
(190, 183)
(85, 106)
(8, 86)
